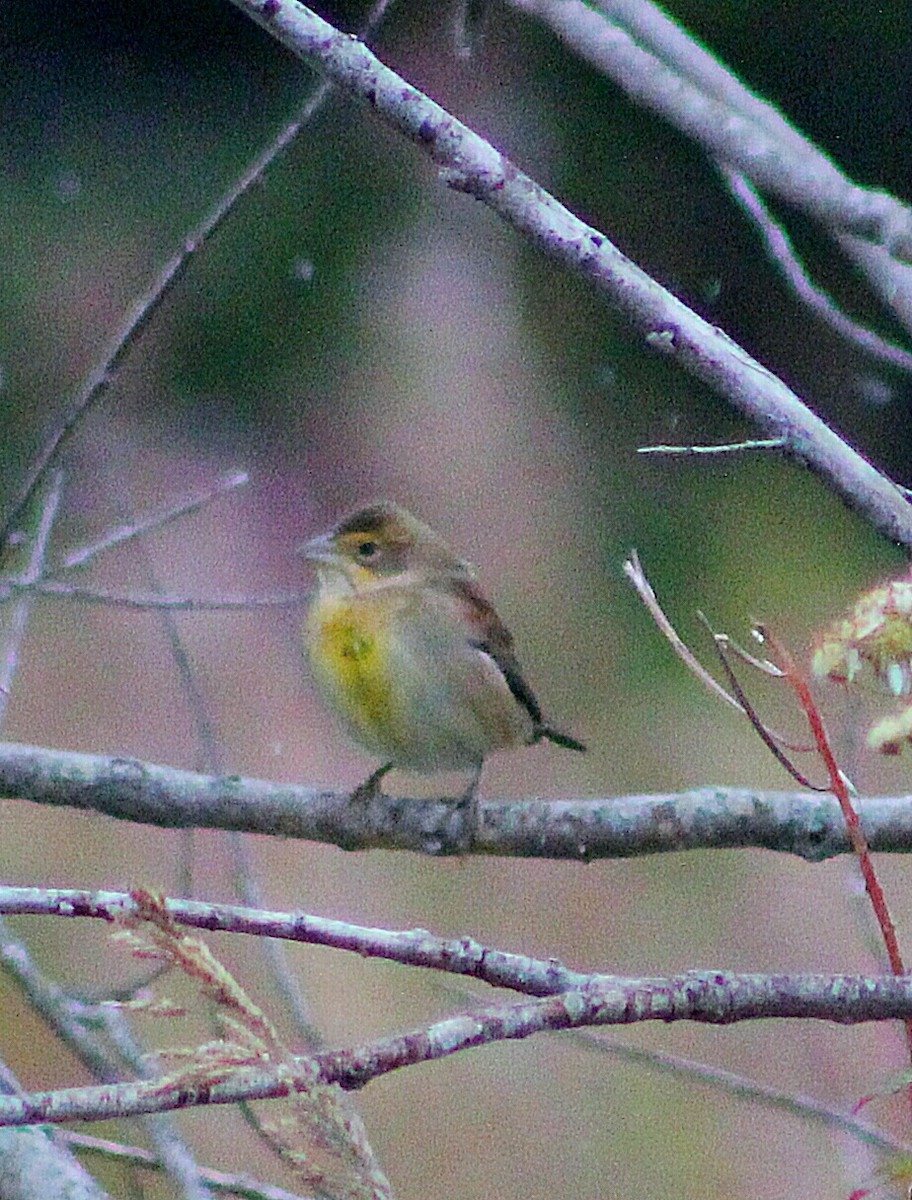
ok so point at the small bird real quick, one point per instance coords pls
(409, 653)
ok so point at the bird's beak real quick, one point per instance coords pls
(320, 549)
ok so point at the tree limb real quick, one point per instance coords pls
(703, 818)
(707, 997)
(660, 66)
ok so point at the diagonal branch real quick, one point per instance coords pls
(714, 998)
(735, 127)
(781, 252)
(470, 164)
(661, 67)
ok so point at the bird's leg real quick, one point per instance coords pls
(467, 807)
(370, 788)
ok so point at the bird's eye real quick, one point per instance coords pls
(367, 550)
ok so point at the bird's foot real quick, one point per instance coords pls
(369, 790)
(468, 815)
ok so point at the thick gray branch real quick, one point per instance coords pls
(470, 164)
(802, 823)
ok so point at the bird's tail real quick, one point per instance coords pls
(558, 738)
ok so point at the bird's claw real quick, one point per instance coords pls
(369, 790)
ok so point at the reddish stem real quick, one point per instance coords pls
(856, 834)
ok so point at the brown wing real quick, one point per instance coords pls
(493, 637)
(495, 640)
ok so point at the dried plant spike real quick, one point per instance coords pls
(318, 1131)
(878, 632)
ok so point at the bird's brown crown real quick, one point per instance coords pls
(388, 540)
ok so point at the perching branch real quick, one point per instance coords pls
(809, 825)
(469, 164)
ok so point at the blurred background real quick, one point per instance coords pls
(358, 331)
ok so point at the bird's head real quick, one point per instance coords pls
(379, 544)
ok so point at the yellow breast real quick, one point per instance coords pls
(397, 667)
(349, 656)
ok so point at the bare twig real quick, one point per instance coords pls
(769, 739)
(663, 68)
(724, 448)
(794, 1103)
(211, 755)
(854, 827)
(633, 569)
(33, 552)
(654, 30)
(146, 602)
(149, 523)
(780, 250)
(66, 1017)
(103, 374)
(243, 1186)
(287, 982)
(840, 789)
(77, 1025)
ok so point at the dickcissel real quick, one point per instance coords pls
(409, 653)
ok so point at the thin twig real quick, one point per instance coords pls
(103, 374)
(782, 253)
(795, 1103)
(728, 1082)
(34, 551)
(69, 591)
(854, 827)
(213, 759)
(763, 665)
(724, 448)
(633, 569)
(76, 1024)
(247, 886)
(766, 736)
(149, 523)
(45, 1160)
(840, 790)
(236, 1185)
(172, 1149)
